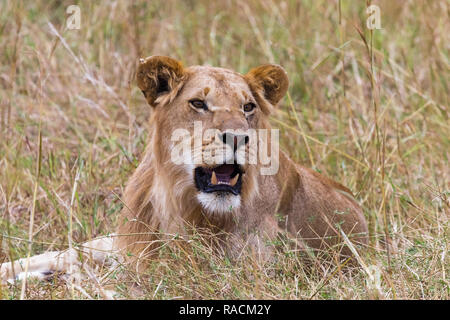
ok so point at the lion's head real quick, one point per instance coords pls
(220, 106)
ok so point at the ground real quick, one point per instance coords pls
(368, 108)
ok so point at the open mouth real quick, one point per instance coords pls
(223, 178)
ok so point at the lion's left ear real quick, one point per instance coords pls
(271, 79)
(157, 76)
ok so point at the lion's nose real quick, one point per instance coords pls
(235, 141)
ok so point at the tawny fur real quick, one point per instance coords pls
(160, 196)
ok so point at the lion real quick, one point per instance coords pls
(236, 200)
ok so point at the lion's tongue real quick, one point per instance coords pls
(222, 174)
(223, 177)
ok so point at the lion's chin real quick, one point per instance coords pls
(219, 187)
(219, 202)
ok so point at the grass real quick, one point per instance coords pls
(368, 108)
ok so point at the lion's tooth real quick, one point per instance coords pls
(234, 180)
(213, 178)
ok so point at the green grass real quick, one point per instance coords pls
(388, 142)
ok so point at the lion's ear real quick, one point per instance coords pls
(158, 75)
(271, 79)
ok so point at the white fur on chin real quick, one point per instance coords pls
(218, 202)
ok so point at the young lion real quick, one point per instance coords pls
(242, 200)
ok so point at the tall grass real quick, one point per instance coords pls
(368, 108)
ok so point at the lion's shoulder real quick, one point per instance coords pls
(295, 176)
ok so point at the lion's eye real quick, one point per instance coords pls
(249, 107)
(199, 104)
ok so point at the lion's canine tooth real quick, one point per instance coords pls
(213, 178)
(234, 180)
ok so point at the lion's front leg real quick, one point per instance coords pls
(65, 262)
(41, 266)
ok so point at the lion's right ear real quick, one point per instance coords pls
(157, 76)
(269, 79)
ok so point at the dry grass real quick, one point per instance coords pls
(369, 109)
